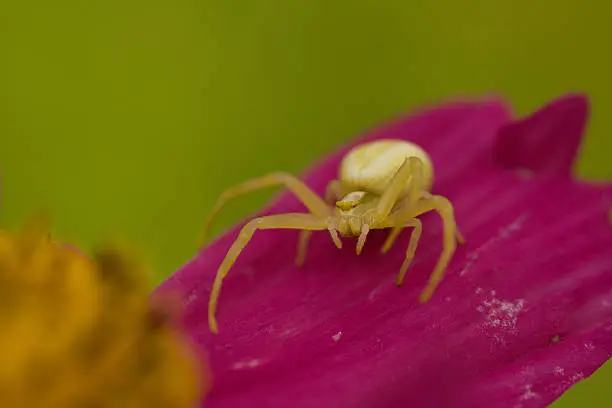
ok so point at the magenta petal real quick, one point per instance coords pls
(548, 140)
(338, 332)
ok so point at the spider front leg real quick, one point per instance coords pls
(395, 231)
(417, 202)
(394, 234)
(450, 237)
(409, 174)
(397, 222)
(417, 229)
(315, 204)
(282, 221)
(333, 192)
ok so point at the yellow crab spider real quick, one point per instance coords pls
(382, 184)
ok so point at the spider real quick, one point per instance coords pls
(381, 184)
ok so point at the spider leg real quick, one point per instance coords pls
(302, 248)
(312, 201)
(418, 201)
(395, 231)
(458, 234)
(417, 228)
(411, 173)
(398, 221)
(333, 193)
(280, 221)
(450, 235)
(365, 229)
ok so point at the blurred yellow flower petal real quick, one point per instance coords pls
(82, 332)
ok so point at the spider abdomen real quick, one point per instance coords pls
(371, 166)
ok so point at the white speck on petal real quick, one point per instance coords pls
(242, 365)
(501, 314)
(192, 297)
(337, 336)
(514, 226)
(558, 370)
(573, 379)
(529, 394)
(376, 291)
(472, 256)
(577, 377)
(589, 346)
(472, 260)
(568, 382)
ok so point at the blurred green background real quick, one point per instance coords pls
(130, 117)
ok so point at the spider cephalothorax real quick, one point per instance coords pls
(381, 184)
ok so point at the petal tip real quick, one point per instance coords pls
(547, 141)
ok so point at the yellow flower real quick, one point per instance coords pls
(80, 332)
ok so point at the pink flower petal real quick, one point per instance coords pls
(337, 332)
(546, 142)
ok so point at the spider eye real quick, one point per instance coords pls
(346, 205)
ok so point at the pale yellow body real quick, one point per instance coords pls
(371, 166)
(382, 184)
